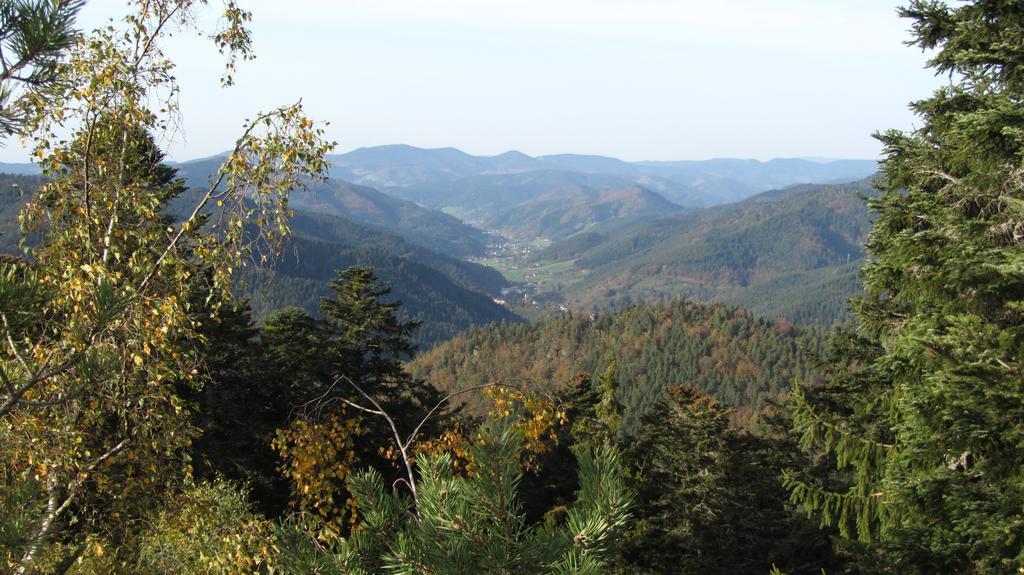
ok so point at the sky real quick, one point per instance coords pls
(634, 79)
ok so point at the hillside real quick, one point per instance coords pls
(562, 213)
(445, 293)
(723, 351)
(548, 203)
(417, 224)
(789, 253)
(426, 227)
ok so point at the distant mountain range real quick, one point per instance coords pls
(402, 165)
(527, 197)
(626, 231)
(699, 182)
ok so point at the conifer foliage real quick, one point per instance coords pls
(924, 408)
(473, 523)
(34, 37)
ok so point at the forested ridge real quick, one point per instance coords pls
(722, 351)
(335, 196)
(151, 422)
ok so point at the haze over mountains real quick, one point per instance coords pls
(613, 233)
(499, 192)
(402, 165)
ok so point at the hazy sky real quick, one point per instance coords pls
(636, 79)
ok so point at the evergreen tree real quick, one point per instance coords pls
(239, 408)
(368, 343)
(322, 366)
(34, 37)
(923, 408)
(710, 499)
(472, 524)
(590, 415)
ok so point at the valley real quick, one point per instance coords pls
(538, 237)
(283, 358)
(590, 233)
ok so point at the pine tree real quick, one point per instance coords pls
(923, 408)
(471, 524)
(35, 35)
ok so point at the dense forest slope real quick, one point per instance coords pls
(424, 226)
(723, 351)
(446, 294)
(562, 213)
(789, 253)
(431, 228)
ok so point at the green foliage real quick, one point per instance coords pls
(590, 416)
(710, 499)
(926, 413)
(244, 400)
(97, 323)
(208, 528)
(19, 510)
(324, 365)
(466, 524)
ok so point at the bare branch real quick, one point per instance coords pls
(10, 342)
(450, 396)
(403, 446)
(398, 438)
(54, 509)
(944, 175)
